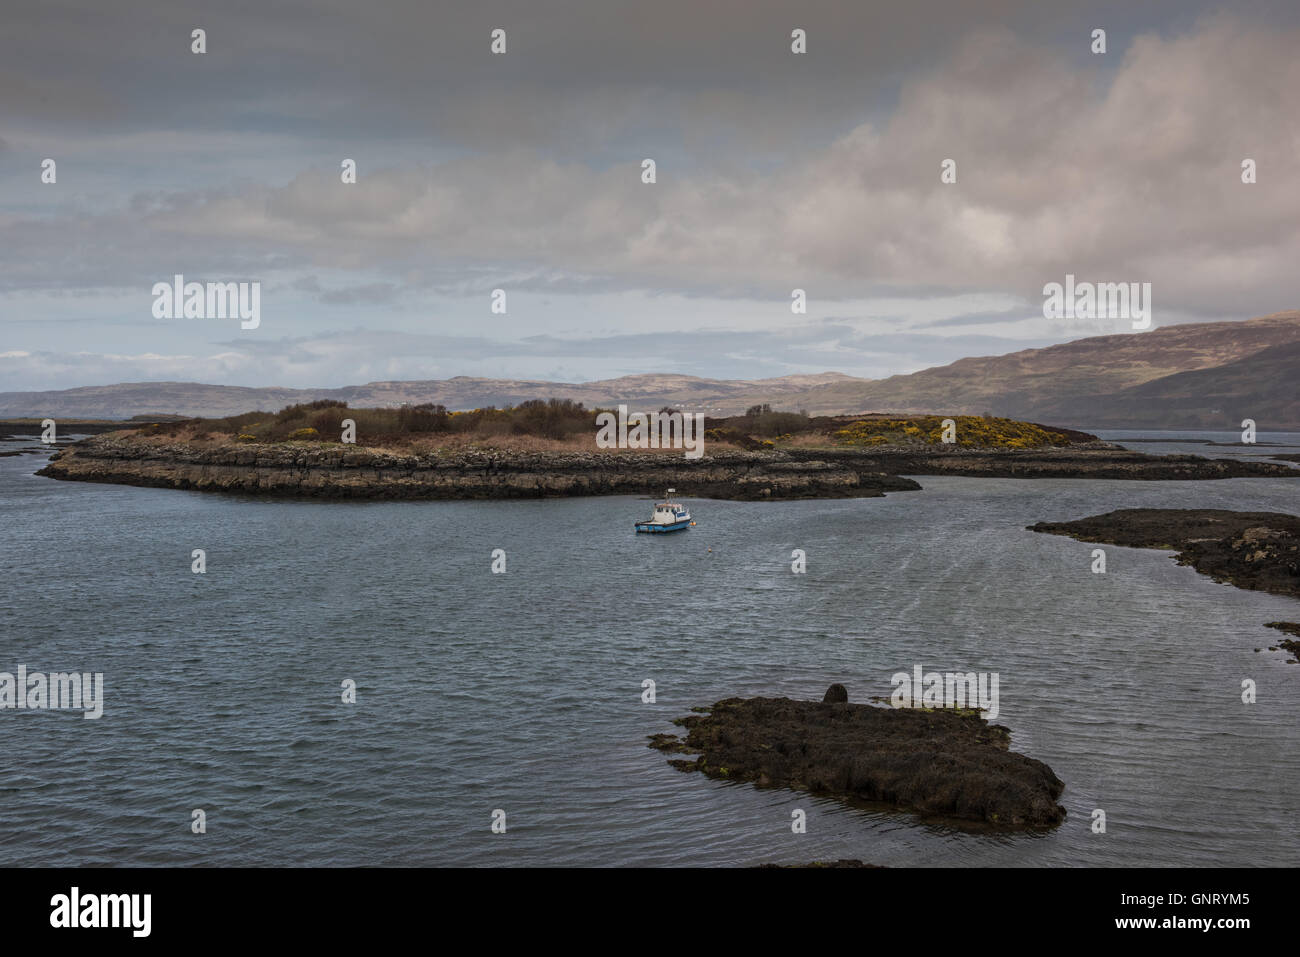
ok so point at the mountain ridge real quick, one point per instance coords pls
(1198, 375)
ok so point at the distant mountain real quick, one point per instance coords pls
(1264, 386)
(1204, 375)
(720, 396)
(1071, 383)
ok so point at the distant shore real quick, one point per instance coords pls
(30, 426)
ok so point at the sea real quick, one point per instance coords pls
(352, 683)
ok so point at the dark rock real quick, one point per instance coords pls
(331, 470)
(1289, 644)
(1254, 550)
(836, 694)
(947, 764)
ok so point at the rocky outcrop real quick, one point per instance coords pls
(330, 470)
(1255, 550)
(836, 694)
(1096, 460)
(342, 471)
(939, 763)
(1289, 645)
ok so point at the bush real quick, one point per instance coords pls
(551, 419)
(972, 432)
(426, 417)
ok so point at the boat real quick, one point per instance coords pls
(668, 517)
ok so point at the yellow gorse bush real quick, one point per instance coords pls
(973, 431)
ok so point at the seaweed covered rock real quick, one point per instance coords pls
(1254, 550)
(950, 764)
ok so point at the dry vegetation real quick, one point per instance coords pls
(560, 424)
(972, 431)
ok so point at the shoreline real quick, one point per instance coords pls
(1254, 551)
(336, 471)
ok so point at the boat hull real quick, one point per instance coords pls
(653, 528)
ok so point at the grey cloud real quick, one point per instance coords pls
(982, 318)
(522, 171)
(1136, 182)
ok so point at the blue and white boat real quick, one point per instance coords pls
(668, 517)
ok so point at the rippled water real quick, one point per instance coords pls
(522, 691)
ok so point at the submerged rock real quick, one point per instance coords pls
(950, 764)
(1287, 644)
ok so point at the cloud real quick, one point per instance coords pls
(774, 172)
(1137, 181)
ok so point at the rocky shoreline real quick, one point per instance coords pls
(1254, 550)
(949, 764)
(341, 471)
(1259, 551)
(331, 470)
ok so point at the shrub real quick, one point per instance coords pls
(972, 431)
(304, 434)
(425, 417)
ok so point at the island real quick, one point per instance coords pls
(326, 450)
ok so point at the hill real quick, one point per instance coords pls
(1197, 376)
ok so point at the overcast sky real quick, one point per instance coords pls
(523, 172)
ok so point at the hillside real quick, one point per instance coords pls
(1205, 375)
(124, 400)
(1065, 383)
(1262, 386)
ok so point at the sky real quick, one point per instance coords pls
(523, 171)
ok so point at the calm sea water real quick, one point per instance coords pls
(1216, 445)
(522, 691)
